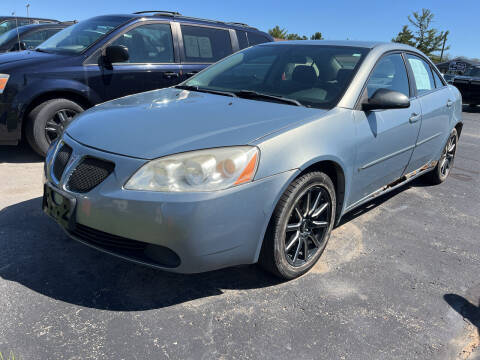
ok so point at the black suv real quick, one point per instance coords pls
(11, 22)
(104, 58)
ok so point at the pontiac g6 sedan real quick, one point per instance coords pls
(255, 158)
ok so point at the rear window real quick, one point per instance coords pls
(205, 45)
(256, 38)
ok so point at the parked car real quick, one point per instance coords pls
(469, 85)
(28, 37)
(104, 58)
(255, 158)
(11, 22)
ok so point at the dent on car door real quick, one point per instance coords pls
(436, 102)
(202, 46)
(386, 138)
(151, 63)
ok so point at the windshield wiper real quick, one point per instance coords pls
(41, 50)
(210, 91)
(249, 94)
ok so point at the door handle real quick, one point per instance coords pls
(449, 103)
(171, 74)
(414, 118)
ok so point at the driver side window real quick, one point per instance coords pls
(390, 73)
(150, 43)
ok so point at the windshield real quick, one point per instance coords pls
(313, 75)
(5, 38)
(78, 37)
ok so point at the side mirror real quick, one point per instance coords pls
(386, 99)
(116, 54)
(19, 46)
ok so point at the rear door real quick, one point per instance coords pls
(435, 101)
(151, 64)
(386, 138)
(201, 46)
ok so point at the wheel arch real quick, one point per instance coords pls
(459, 127)
(337, 174)
(74, 96)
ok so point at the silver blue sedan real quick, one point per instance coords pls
(254, 159)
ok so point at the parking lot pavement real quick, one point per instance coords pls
(399, 279)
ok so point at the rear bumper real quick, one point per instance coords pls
(206, 231)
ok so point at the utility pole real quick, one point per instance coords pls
(443, 46)
(27, 6)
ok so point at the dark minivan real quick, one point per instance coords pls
(104, 58)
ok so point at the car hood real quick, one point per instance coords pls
(12, 58)
(168, 121)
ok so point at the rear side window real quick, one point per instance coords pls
(256, 38)
(389, 73)
(205, 45)
(242, 39)
(150, 43)
(422, 74)
(438, 81)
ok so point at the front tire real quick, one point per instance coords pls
(445, 164)
(300, 226)
(47, 121)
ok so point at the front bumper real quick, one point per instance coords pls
(207, 231)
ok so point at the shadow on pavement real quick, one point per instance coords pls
(465, 308)
(18, 154)
(37, 254)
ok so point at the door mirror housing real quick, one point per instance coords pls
(19, 46)
(386, 99)
(116, 54)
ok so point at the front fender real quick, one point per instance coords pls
(331, 137)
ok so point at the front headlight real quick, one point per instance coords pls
(3, 82)
(201, 170)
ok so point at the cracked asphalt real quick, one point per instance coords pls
(399, 279)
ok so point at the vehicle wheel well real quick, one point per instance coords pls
(79, 99)
(334, 172)
(459, 128)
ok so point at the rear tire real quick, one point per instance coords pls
(300, 226)
(46, 122)
(445, 164)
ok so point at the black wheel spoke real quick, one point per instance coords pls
(55, 125)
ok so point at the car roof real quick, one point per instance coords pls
(167, 15)
(25, 18)
(385, 46)
(40, 26)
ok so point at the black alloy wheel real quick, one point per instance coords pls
(308, 225)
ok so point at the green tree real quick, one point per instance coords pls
(424, 37)
(317, 36)
(405, 37)
(278, 33)
(296, 37)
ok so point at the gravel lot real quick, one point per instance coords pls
(399, 279)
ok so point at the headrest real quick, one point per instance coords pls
(304, 74)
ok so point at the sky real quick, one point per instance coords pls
(378, 20)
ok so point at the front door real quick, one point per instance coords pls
(151, 64)
(386, 138)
